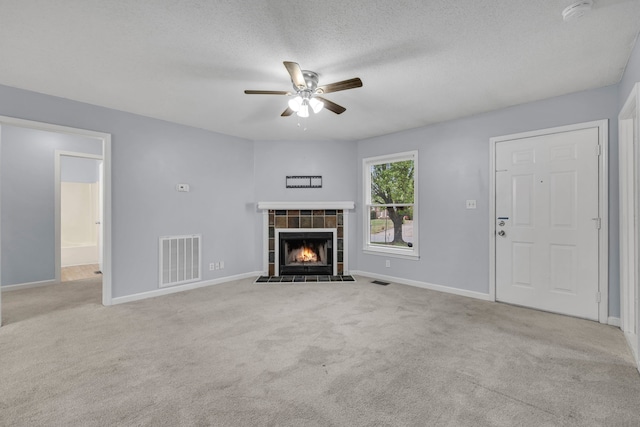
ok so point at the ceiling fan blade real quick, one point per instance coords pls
(267, 92)
(287, 112)
(332, 106)
(296, 74)
(338, 86)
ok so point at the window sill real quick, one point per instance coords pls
(411, 255)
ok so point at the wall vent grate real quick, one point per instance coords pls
(179, 259)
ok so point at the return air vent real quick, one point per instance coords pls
(179, 259)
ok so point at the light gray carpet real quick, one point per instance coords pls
(316, 354)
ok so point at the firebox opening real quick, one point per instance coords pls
(304, 253)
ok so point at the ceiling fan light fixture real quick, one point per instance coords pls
(316, 105)
(295, 103)
(304, 110)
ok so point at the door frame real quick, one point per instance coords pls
(629, 165)
(105, 138)
(58, 205)
(603, 197)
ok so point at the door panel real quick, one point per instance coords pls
(563, 268)
(563, 194)
(522, 263)
(523, 200)
(546, 217)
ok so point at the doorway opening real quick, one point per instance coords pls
(21, 240)
(78, 178)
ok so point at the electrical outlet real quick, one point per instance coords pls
(471, 204)
(221, 265)
(387, 263)
(217, 266)
(212, 266)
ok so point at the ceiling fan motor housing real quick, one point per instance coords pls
(311, 79)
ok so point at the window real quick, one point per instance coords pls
(391, 210)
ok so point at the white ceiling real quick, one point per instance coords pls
(421, 61)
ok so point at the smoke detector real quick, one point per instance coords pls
(576, 10)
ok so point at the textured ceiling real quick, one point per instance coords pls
(421, 62)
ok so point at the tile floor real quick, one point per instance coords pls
(78, 272)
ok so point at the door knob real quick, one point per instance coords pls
(501, 223)
(501, 233)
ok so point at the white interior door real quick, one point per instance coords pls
(547, 221)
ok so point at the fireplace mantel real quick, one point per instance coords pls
(346, 205)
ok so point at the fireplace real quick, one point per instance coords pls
(306, 252)
(306, 217)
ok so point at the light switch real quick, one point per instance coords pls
(471, 204)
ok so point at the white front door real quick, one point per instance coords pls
(547, 221)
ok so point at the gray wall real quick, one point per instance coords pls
(631, 75)
(28, 200)
(78, 169)
(454, 167)
(149, 157)
(335, 161)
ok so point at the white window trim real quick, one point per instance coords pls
(396, 252)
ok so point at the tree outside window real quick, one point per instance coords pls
(390, 197)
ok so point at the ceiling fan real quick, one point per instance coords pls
(306, 93)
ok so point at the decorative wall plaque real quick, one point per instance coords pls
(304, 181)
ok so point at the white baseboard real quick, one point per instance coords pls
(182, 288)
(613, 321)
(424, 285)
(20, 286)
